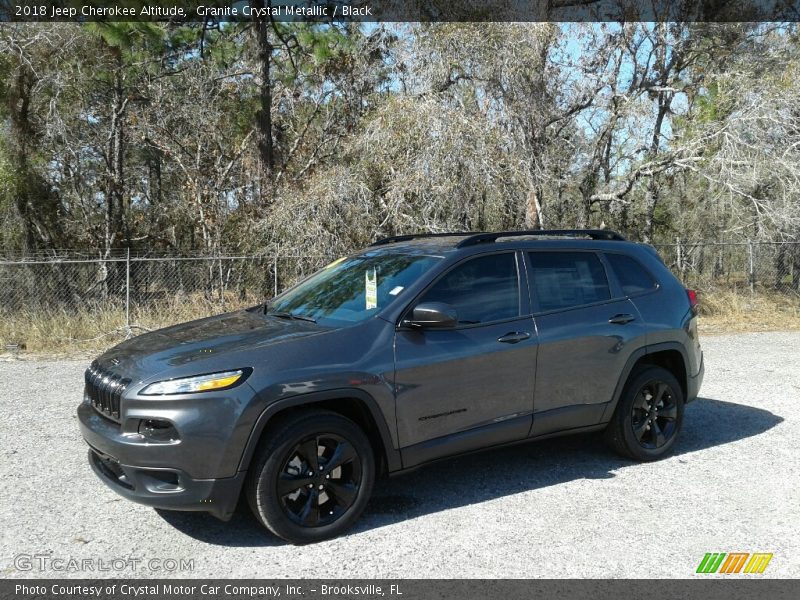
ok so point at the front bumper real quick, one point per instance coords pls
(168, 488)
(185, 475)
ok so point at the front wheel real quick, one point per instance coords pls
(312, 477)
(649, 415)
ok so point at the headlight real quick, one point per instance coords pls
(199, 383)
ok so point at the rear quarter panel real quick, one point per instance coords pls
(667, 312)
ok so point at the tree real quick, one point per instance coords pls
(29, 58)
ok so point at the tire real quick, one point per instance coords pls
(333, 487)
(631, 432)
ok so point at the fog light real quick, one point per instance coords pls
(160, 481)
(158, 430)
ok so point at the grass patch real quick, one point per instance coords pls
(725, 311)
(90, 331)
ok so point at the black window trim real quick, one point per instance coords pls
(520, 282)
(532, 291)
(618, 284)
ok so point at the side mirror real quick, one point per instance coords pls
(432, 315)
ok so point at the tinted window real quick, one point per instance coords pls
(481, 290)
(565, 279)
(632, 276)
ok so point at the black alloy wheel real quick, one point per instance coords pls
(311, 477)
(319, 480)
(654, 415)
(648, 415)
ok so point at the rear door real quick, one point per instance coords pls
(586, 336)
(477, 376)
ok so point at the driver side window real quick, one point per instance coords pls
(481, 290)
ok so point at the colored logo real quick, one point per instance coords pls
(734, 562)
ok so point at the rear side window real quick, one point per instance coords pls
(632, 276)
(481, 290)
(566, 279)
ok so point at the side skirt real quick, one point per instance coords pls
(567, 418)
(462, 442)
(444, 449)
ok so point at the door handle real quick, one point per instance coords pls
(621, 319)
(514, 337)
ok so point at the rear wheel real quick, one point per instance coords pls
(312, 477)
(648, 416)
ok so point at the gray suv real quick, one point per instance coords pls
(416, 348)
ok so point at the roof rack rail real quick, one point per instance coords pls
(595, 234)
(412, 236)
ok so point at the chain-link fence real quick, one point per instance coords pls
(755, 267)
(67, 302)
(72, 302)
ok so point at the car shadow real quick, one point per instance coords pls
(243, 530)
(495, 473)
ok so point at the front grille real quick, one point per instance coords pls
(104, 390)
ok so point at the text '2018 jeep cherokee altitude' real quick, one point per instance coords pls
(416, 348)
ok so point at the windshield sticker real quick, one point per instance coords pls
(396, 290)
(371, 288)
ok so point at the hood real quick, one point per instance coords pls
(214, 339)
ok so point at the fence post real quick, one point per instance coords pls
(679, 258)
(128, 332)
(752, 275)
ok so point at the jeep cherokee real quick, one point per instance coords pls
(416, 348)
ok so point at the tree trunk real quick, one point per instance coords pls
(651, 201)
(534, 219)
(115, 160)
(584, 208)
(35, 201)
(795, 252)
(264, 115)
(664, 100)
(115, 181)
(781, 269)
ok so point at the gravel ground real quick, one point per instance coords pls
(557, 508)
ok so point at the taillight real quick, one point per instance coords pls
(692, 298)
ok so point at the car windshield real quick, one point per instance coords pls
(351, 289)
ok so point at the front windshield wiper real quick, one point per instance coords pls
(287, 315)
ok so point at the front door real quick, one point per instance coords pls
(475, 381)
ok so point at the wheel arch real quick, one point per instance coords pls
(354, 404)
(669, 355)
